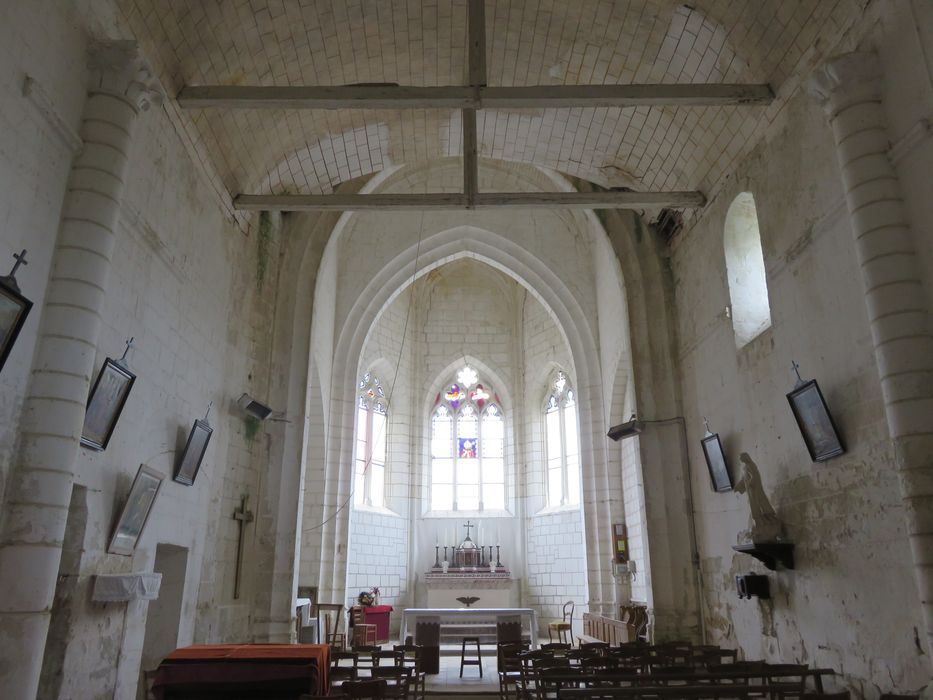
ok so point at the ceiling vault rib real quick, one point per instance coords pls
(610, 199)
(470, 97)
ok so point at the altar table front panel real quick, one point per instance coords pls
(529, 618)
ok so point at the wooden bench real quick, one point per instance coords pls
(597, 628)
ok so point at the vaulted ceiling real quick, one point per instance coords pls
(423, 42)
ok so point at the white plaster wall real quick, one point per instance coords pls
(555, 542)
(851, 603)
(39, 39)
(183, 284)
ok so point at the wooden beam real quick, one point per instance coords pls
(476, 60)
(483, 200)
(468, 97)
(476, 37)
(470, 155)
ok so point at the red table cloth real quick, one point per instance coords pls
(319, 654)
(378, 615)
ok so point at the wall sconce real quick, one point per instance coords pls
(253, 408)
(628, 429)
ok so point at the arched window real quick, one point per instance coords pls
(563, 443)
(467, 447)
(370, 468)
(745, 268)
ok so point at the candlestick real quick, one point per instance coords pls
(482, 555)
(490, 555)
(437, 559)
(498, 563)
(445, 552)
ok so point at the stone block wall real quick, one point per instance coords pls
(851, 602)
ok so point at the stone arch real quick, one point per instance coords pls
(529, 271)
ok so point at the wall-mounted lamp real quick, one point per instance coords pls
(253, 408)
(626, 430)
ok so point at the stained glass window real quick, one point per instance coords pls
(467, 447)
(562, 443)
(370, 461)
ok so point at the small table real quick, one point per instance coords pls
(204, 668)
(378, 615)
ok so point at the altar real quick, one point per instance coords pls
(469, 576)
(460, 617)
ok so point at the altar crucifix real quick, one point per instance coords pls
(242, 517)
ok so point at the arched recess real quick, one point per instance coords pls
(646, 286)
(499, 252)
(745, 269)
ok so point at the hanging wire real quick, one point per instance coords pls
(391, 390)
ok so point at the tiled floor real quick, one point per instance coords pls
(449, 680)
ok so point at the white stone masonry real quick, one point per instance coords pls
(850, 88)
(53, 413)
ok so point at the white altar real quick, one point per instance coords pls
(493, 590)
(475, 616)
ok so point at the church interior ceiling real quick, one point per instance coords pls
(529, 42)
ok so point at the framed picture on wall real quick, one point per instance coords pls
(815, 422)
(716, 462)
(186, 471)
(14, 308)
(108, 396)
(135, 511)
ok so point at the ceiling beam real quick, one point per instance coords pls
(610, 199)
(476, 59)
(469, 97)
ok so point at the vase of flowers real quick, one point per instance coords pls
(365, 598)
(375, 595)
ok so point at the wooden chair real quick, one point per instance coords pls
(412, 660)
(397, 679)
(364, 634)
(564, 626)
(390, 658)
(509, 666)
(330, 614)
(359, 690)
(340, 672)
(786, 680)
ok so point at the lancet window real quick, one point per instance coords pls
(562, 443)
(370, 463)
(467, 447)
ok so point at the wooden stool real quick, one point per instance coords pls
(470, 662)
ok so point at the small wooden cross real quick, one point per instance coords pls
(468, 526)
(242, 517)
(20, 260)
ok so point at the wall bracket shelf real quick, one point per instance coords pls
(770, 553)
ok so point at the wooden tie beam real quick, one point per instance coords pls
(470, 98)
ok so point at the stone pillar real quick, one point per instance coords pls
(849, 87)
(53, 412)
